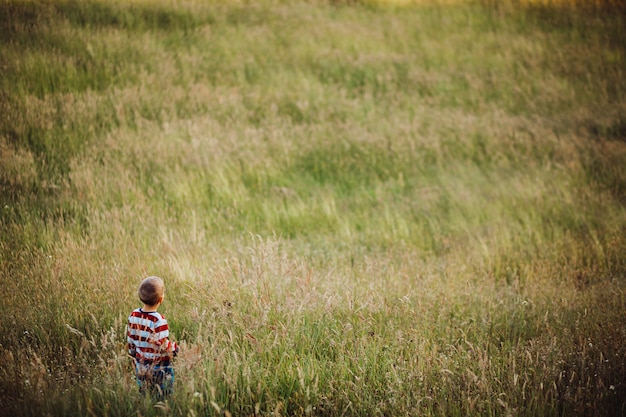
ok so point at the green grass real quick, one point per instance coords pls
(358, 209)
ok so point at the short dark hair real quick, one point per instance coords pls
(151, 290)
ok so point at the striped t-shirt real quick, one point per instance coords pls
(148, 337)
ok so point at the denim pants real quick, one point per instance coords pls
(157, 380)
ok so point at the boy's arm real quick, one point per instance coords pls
(162, 336)
(130, 344)
(174, 348)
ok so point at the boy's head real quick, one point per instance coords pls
(151, 291)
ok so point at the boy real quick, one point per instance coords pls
(148, 341)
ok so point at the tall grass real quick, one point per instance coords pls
(358, 208)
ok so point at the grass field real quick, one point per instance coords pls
(359, 208)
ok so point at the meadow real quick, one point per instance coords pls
(359, 208)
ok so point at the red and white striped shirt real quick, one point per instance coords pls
(148, 337)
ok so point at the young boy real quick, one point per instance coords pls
(148, 341)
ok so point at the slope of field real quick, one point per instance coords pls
(358, 208)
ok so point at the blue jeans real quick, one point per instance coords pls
(158, 380)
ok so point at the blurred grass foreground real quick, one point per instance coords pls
(359, 208)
